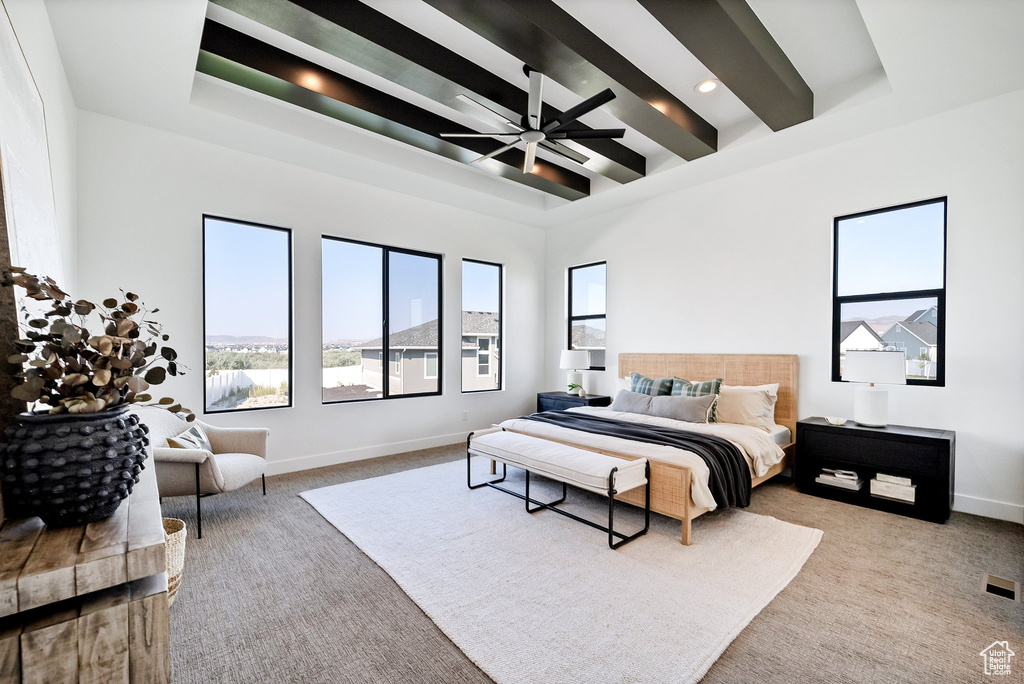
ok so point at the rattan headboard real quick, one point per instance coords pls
(735, 369)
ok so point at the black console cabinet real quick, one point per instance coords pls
(926, 456)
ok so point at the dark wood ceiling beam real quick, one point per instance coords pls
(729, 39)
(360, 35)
(235, 57)
(549, 39)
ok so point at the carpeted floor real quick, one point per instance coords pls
(273, 593)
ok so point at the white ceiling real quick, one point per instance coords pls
(871, 63)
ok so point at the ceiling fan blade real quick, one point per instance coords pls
(573, 113)
(564, 151)
(536, 101)
(531, 156)
(594, 133)
(495, 153)
(484, 108)
(479, 135)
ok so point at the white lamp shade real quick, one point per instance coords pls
(885, 367)
(574, 358)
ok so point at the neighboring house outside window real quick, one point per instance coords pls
(430, 366)
(481, 352)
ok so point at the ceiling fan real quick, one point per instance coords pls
(535, 132)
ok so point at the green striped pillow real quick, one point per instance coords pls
(644, 385)
(686, 388)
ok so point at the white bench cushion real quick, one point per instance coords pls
(578, 467)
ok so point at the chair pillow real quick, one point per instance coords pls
(749, 405)
(688, 388)
(193, 438)
(688, 409)
(632, 402)
(644, 385)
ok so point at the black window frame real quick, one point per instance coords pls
(589, 317)
(291, 315)
(939, 294)
(501, 332)
(386, 250)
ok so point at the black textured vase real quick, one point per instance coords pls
(71, 469)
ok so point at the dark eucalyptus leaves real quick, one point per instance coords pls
(72, 369)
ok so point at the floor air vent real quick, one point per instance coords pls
(999, 586)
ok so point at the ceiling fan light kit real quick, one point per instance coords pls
(534, 132)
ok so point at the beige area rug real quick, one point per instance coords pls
(541, 598)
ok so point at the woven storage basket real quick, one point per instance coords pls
(174, 540)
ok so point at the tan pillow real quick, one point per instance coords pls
(193, 438)
(754, 405)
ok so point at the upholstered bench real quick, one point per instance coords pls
(595, 472)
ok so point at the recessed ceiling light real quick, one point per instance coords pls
(707, 86)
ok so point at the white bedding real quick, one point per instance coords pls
(759, 448)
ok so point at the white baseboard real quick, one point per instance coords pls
(999, 510)
(290, 465)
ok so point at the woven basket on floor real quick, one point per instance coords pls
(174, 540)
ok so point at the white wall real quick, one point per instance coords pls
(743, 265)
(32, 26)
(142, 193)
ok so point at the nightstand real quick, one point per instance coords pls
(558, 401)
(926, 457)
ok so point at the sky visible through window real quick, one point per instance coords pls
(246, 280)
(479, 287)
(588, 290)
(894, 251)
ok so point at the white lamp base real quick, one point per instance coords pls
(573, 378)
(871, 406)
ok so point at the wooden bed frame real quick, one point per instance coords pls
(670, 484)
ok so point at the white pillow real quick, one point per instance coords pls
(625, 384)
(748, 405)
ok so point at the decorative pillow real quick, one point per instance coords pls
(689, 409)
(644, 385)
(749, 405)
(632, 402)
(687, 388)
(193, 438)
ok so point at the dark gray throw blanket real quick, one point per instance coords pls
(730, 474)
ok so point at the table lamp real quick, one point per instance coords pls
(870, 403)
(572, 360)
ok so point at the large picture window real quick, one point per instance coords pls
(247, 314)
(587, 320)
(481, 326)
(889, 287)
(381, 309)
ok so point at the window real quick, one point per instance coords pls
(381, 308)
(247, 315)
(587, 311)
(890, 274)
(481, 325)
(483, 357)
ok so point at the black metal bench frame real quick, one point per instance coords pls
(550, 505)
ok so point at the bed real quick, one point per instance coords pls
(678, 478)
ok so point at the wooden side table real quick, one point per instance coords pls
(87, 603)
